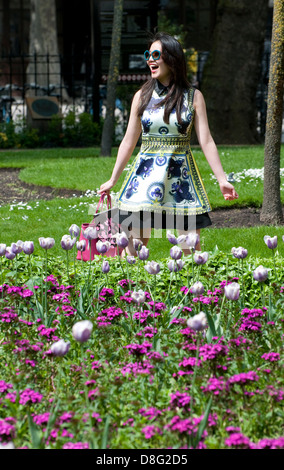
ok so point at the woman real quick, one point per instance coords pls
(163, 188)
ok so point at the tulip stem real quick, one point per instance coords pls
(45, 302)
(2, 288)
(16, 270)
(2, 283)
(195, 371)
(176, 277)
(67, 266)
(262, 294)
(243, 285)
(74, 264)
(169, 289)
(274, 264)
(192, 264)
(229, 318)
(154, 299)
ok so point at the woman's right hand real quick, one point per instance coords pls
(106, 187)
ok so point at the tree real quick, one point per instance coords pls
(271, 212)
(108, 128)
(43, 41)
(231, 74)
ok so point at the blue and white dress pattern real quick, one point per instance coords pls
(164, 176)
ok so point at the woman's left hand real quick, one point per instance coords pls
(228, 191)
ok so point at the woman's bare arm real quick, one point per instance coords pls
(209, 148)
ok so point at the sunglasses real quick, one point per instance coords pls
(155, 55)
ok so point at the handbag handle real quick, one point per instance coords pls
(101, 201)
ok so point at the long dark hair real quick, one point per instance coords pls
(173, 56)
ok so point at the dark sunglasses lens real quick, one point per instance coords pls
(156, 55)
(147, 55)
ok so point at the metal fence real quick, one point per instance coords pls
(72, 81)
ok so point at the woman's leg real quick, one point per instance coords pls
(143, 235)
(186, 250)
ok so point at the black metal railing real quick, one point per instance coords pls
(71, 80)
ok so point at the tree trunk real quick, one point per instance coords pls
(44, 67)
(108, 128)
(231, 74)
(271, 212)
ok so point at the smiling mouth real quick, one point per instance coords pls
(154, 68)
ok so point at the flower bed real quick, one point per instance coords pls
(129, 354)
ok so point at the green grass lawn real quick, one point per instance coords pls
(83, 169)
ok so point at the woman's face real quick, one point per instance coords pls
(159, 69)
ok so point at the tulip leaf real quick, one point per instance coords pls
(125, 327)
(36, 434)
(212, 331)
(105, 433)
(203, 423)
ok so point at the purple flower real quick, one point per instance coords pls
(137, 244)
(7, 430)
(271, 443)
(215, 385)
(67, 242)
(143, 253)
(271, 242)
(139, 349)
(192, 240)
(232, 291)
(122, 240)
(201, 258)
(90, 233)
(4, 386)
(17, 247)
(46, 243)
(198, 322)
(239, 441)
(29, 396)
(271, 356)
(28, 247)
(105, 266)
(103, 246)
(82, 331)
(180, 400)
(74, 230)
(172, 238)
(152, 267)
(76, 445)
(42, 418)
(2, 249)
(260, 274)
(197, 288)
(175, 266)
(244, 378)
(9, 253)
(150, 431)
(176, 252)
(60, 348)
(138, 297)
(239, 252)
(249, 325)
(131, 259)
(81, 245)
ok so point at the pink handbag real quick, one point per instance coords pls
(105, 227)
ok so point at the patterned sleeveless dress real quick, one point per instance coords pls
(164, 177)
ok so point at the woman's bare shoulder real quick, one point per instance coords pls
(198, 100)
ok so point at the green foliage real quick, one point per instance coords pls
(71, 131)
(106, 393)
